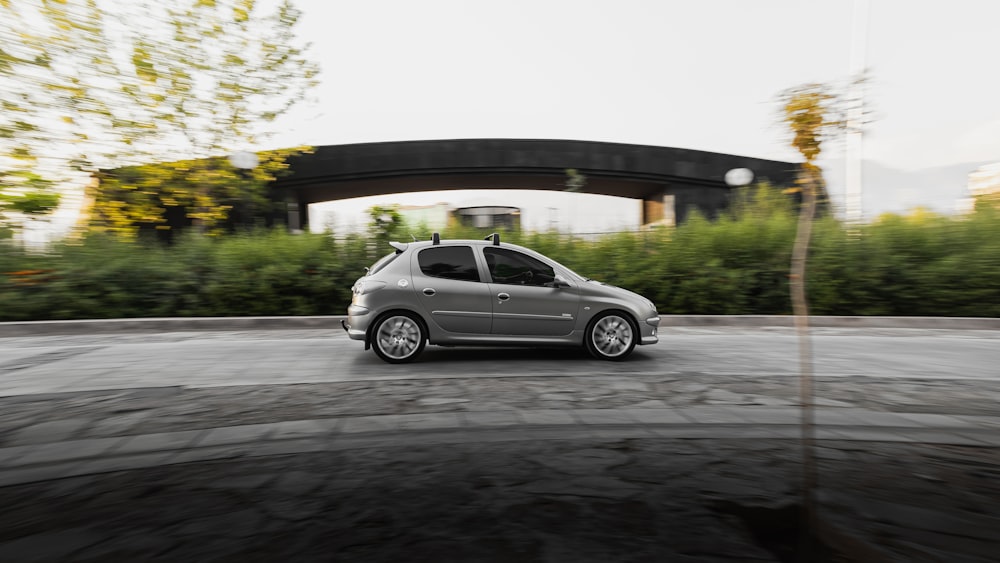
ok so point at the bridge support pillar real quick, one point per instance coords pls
(659, 210)
(297, 215)
(303, 215)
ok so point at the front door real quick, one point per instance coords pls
(525, 303)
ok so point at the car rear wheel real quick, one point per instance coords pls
(611, 336)
(398, 338)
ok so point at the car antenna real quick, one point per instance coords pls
(414, 237)
(495, 237)
(436, 238)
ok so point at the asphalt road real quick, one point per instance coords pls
(907, 452)
(47, 364)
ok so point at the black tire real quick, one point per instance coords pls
(611, 335)
(398, 337)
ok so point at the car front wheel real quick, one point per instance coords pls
(398, 338)
(611, 336)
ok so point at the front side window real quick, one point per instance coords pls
(449, 262)
(515, 268)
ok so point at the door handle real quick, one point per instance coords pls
(428, 291)
(503, 296)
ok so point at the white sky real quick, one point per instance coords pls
(693, 74)
(540, 211)
(697, 74)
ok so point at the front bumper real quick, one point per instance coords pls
(648, 332)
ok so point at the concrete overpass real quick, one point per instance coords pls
(669, 181)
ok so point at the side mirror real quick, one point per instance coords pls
(560, 281)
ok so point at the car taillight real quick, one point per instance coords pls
(365, 287)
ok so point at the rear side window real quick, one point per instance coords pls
(449, 262)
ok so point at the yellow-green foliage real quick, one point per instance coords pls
(81, 94)
(208, 191)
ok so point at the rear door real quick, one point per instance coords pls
(447, 283)
(524, 301)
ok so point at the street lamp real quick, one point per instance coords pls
(739, 177)
(244, 160)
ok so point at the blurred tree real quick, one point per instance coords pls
(813, 113)
(810, 111)
(387, 224)
(575, 180)
(167, 196)
(91, 85)
(30, 196)
(987, 201)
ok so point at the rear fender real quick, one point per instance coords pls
(371, 327)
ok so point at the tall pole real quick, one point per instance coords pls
(855, 112)
(810, 479)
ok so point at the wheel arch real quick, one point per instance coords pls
(629, 317)
(371, 326)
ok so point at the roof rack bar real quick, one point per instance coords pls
(495, 237)
(436, 238)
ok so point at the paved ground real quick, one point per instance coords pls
(45, 364)
(687, 453)
(694, 484)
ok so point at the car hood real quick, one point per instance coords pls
(601, 288)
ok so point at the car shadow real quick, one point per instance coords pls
(440, 354)
(494, 357)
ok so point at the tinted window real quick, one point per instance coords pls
(451, 262)
(512, 267)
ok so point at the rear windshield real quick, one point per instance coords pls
(383, 262)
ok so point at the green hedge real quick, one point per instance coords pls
(266, 273)
(920, 264)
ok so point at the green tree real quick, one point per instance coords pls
(31, 198)
(91, 85)
(387, 224)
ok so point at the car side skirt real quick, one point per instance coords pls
(574, 338)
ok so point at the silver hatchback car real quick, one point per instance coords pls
(471, 292)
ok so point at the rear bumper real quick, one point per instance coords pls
(353, 333)
(357, 321)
